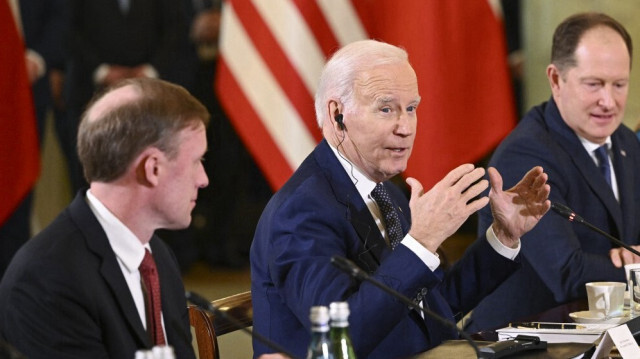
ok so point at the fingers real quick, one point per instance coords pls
(537, 180)
(530, 178)
(496, 180)
(476, 205)
(457, 173)
(416, 188)
(475, 190)
(621, 256)
(627, 257)
(614, 254)
(468, 179)
(462, 177)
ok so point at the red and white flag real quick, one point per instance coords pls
(272, 53)
(19, 152)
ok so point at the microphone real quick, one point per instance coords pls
(353, 270)
(569, 214)
(206, 305)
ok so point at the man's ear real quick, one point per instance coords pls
(553, 75)
(148, 166)
(335, 112)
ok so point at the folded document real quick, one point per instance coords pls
(556, 332)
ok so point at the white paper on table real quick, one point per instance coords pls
(622, 338)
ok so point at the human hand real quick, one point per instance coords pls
(518, 209)
(273, 356)
(437, 214)
(620, 256)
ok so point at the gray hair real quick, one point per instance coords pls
(340, 72)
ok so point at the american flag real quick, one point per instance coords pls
(272, 53)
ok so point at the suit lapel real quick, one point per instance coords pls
(623, 167)
(98, 243)
(375, 249)
(355, 210)
(569, 141)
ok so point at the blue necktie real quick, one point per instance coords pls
(389, 214)
(602, 154)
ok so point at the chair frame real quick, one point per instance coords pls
(235, 313)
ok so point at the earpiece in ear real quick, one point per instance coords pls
(340, 122)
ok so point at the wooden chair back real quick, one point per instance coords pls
(237, 313)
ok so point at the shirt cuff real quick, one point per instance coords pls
(494, 242)
(430, 259)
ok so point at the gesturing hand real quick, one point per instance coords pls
(437, 214)
(518, 209)
(621, 256)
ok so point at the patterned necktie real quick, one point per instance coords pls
(389, 214)
(151, 289)
(602, 154)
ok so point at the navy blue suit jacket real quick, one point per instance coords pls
(317, 214)
(64, 295)
(559, 257)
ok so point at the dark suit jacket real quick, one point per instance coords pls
(559, 257)
(317, 214)
(64, 295)
(101, 33)
(44, 24)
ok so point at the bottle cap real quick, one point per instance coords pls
(319, 314)
(339, 310)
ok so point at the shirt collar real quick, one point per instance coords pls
(363, 184)
(127, 247)
(591, 146)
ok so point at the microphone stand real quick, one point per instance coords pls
(569, 214)
(206, 305)
(353, 270)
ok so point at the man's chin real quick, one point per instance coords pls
(184, 224)
(393, 172)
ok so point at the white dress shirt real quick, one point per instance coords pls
(128, 249)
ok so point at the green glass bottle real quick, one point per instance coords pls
(320, 346)
(340, 339)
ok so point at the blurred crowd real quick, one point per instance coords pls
(74, 48)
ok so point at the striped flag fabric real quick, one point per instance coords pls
(19, 151)
(272, 53)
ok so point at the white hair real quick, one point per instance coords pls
(340, 72)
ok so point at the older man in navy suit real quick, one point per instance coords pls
(80, 288)
(339, 202)
(594, 167)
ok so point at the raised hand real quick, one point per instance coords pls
(518, 209)
(437, 214)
